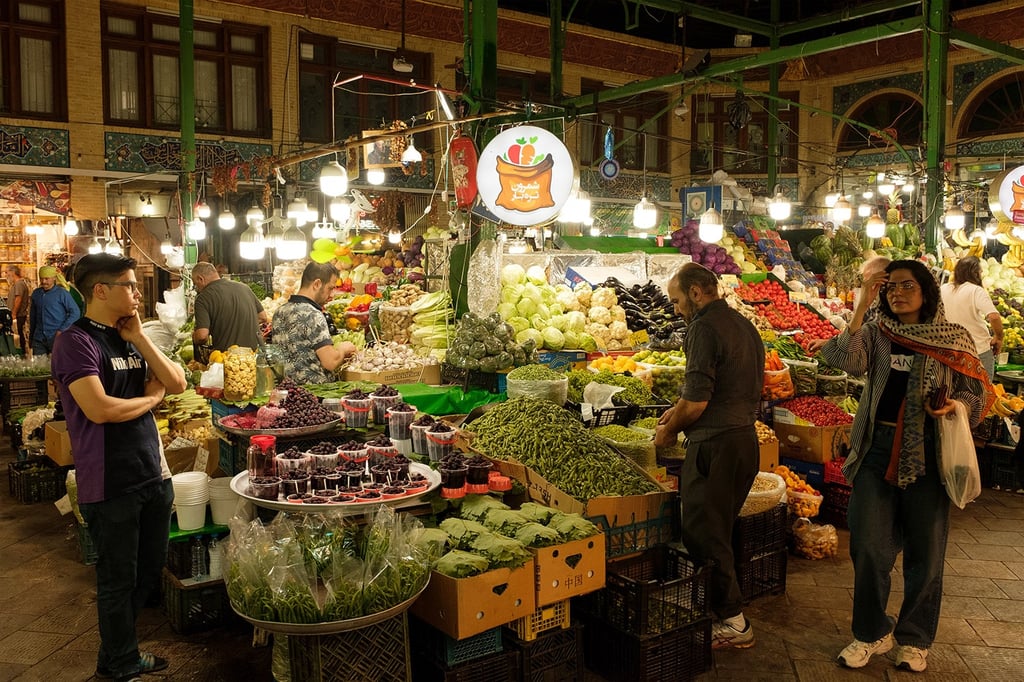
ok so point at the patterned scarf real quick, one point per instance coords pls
(943, 348)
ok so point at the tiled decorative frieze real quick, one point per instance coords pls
(27, 146)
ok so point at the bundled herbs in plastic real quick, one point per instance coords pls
(321, 568)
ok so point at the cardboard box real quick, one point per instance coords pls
(812, 472)
(801, 440)
(616, 510)
(463, 607)
(58, 443)
(428, 374)
(563, 359)
(188, 458)
(769, 456)
(570, 569)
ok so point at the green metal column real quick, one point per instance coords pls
(557, 41)
(186, 66)
(773, 103)
(936, 49)
(483, 77)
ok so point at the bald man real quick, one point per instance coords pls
(225, 310)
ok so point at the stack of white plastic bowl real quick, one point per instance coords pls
(222, 500)
(191, 493)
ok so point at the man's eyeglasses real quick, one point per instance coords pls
(907, 286)
(133, 286)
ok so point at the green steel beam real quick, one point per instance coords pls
(557, 42)
(484, 49)
(690, 9)
(833, 18)
(588, 102)
(936, 60)
(773, 104)
(986, 46)
(186, 67)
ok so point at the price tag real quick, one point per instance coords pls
(202, 456)
(638, 338)
(586, 411)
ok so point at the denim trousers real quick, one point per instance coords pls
(715, 479)
(885, 519)
(130, 533)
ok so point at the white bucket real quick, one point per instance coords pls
(191, 516)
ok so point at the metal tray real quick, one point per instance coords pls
(280, 433)
(334, 626)
(240, 484)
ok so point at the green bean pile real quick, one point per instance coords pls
(620, 434)
(555, 444)
(535, 373)
(635, 393)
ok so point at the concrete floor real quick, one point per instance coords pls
(48, 621)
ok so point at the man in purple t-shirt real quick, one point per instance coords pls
(110, 377)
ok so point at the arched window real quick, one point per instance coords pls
(898, 114)
(999, 109)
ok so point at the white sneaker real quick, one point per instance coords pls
(858, 653)
(911, 658)
(724, 636)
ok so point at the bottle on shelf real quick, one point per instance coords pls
(216, 557)
(199, 571)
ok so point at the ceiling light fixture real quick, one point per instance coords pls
(842, 211)
(147, 204)
(250, 243)
(226, 219)
(645, 214)
(70, 224)
(376, 176)
(874, 227)
(779, 207)
(333, 179)
(711, 230)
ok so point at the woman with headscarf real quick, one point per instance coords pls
(916, 364)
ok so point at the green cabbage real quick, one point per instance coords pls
(507, 310)
(512, 293)
(513, 274)
(526, 307)
(536, 275)
(586, 342)
(553, 339)
(533, 335)
(575, 321)
(519, 323)
(572, 340)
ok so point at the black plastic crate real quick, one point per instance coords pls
(675, 656)
(759, 534)
(378, 652)
(1003, 470)
(194, 608)
(835, 504)
(37, 480)
(493, 382)
(629, 538)
(654, 592)
(619, 414)
(426, 640)
(989, 429)
(503, 667)
(763, 575)
(555, 656)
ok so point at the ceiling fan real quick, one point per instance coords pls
(399, 63)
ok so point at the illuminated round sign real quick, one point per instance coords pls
(525, 175)
(1010, 187)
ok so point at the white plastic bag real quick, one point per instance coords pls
(959, 460)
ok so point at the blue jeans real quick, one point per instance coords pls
(130, 533)
(988, 360)
(885, 519)
(716, 477)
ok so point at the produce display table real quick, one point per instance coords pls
(440, 400)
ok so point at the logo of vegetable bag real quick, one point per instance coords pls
(525, 175)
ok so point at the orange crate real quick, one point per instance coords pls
(543, 619)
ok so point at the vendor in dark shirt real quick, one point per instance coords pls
(717, 410)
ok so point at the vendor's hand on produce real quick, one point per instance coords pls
(947, 408)
(666, 416)
(663, 437)
(347, 349)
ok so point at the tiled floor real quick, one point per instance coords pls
(48, 623)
